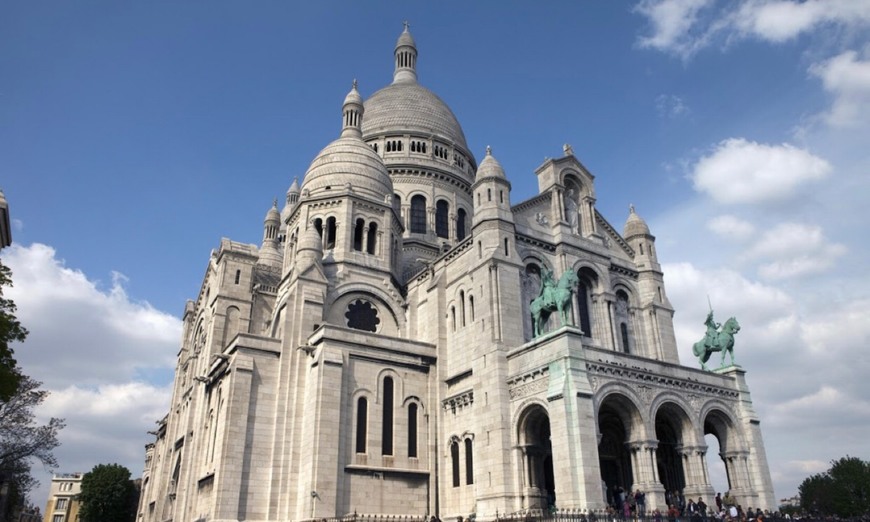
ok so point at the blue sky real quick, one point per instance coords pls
(133, 136)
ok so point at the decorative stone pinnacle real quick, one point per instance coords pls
(631, 208)
(488, 150)
(407, 25)
(354, 84)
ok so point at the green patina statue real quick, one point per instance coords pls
(719, 338)
(554, 296)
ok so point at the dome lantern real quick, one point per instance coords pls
(406, 58)
(352, 113)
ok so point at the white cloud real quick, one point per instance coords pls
(82, 334)
(730, 226)
(672, 22)
(92, 348)
(671, 106)
(794, 249)
(742, 171)
(847, 77)
(779, 21)
(678, 29)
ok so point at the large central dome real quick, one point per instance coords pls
(408, 107)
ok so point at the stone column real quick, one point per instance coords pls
(695, 469)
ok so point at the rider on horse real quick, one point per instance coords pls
(547, 284)
(712, 337)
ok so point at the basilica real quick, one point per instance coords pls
(408, 340)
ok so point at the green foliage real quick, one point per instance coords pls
(108, 495)
(843, 490)
(10, 331)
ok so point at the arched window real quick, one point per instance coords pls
(358, 234)
(583, 307)
(462, 307)
(469, 463)
(238, 276)
(623, 328)
(330, 233)
(412, 430)
(418, 214)
(454, 459)
(387, 429)
(471, 306)
(453, 316)
(442, 208)
(373, 238)
(318, 226)
(623, 318)
(362, 413)
(460, 224)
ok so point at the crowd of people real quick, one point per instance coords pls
(625, 505)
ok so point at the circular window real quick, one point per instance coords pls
(361, 315)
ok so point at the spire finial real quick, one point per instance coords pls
(631, 208)
(275, 202)
(407, 25)
(354, 84)
(488, 150)
(568, 149)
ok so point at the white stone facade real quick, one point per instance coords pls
(375, 353)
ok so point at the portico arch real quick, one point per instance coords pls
(533, 435)
(619, 424)
(719, 424)
(673, 429)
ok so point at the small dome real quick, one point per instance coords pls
(353, 97)
(273, 215)
(635, 225)
(490, 167)
(405, 39)
(346, 162)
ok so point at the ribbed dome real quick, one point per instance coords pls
(272, 215)
(410, 107)
(635, 225)
(349, 162)
(405, 39)
(353, 96)
(490, 167)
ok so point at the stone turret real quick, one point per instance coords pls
(270, 252)
(491, 191)
(638, 236)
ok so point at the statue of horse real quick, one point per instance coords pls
(722, 341)
(554, 297)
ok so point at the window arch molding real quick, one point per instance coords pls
(390, 323)
(398, 385)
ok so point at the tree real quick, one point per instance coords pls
(10, 331)
(843, 490)
(22, 440)
(108, 495)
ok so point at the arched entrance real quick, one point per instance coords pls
(670, 423)
(538, 478)
(617, 417)
(718, 426)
